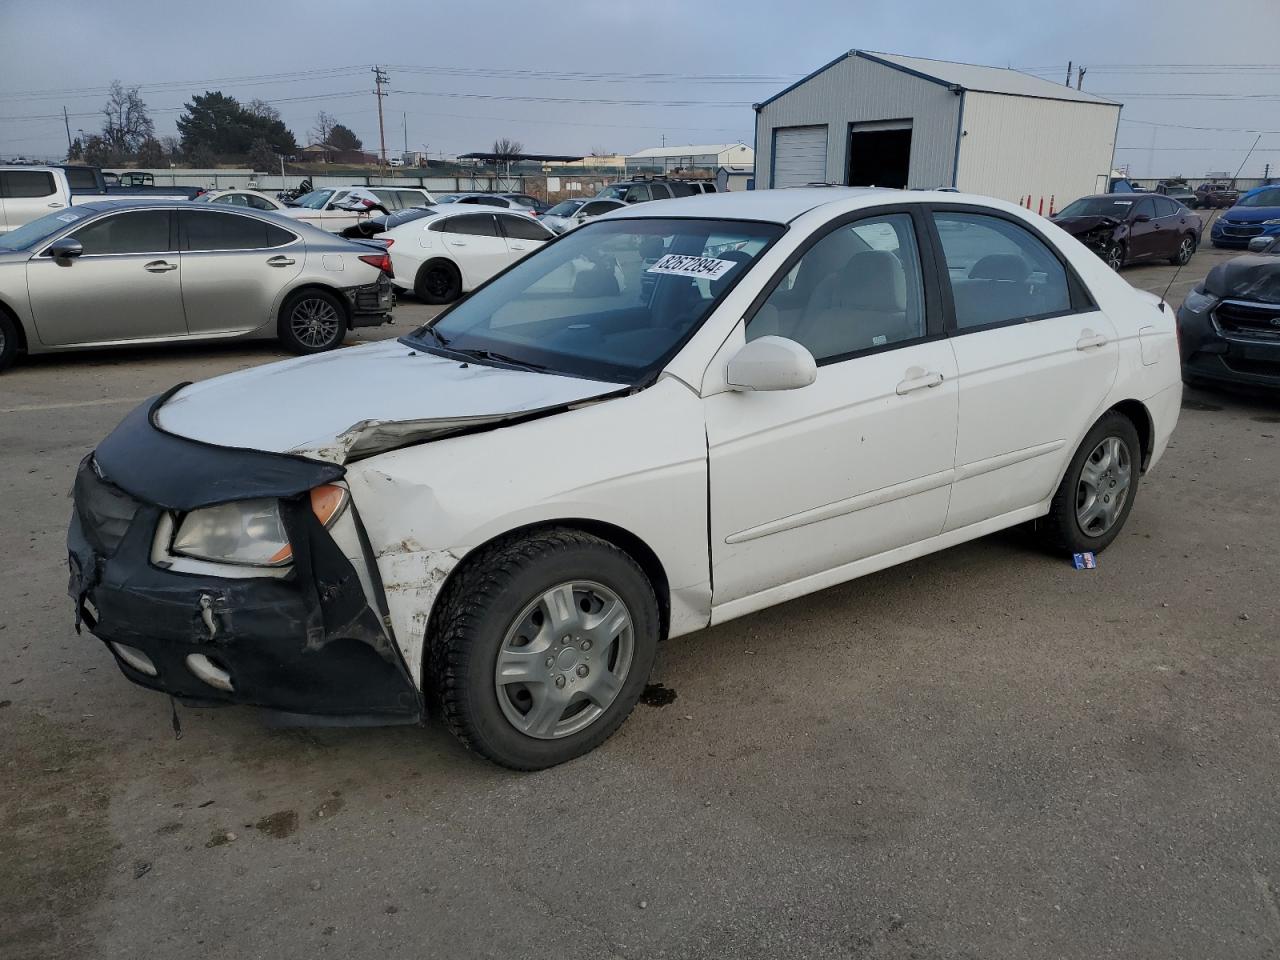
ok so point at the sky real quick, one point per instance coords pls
(570, 77)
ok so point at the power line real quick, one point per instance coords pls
(1183, 126)
(612, 103)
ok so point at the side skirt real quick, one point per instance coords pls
(860, 568)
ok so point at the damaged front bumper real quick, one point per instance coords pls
(306, 642)
(370, 304)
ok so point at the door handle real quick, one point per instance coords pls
(1089, 339)
(281, 262)
(55, 204)
(457, 243)
(919, 380)
(518, 246)
(160, 266)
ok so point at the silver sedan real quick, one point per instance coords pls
(114, 274)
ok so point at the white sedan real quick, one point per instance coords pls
(741, 399)
(441, 257)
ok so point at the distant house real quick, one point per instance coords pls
(327, 153)
(703, 158)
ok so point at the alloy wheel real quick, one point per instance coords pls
(438, 282)
(1185, 250)
(564, 660)
(1115, 257)
(1103, 489)
(315, 322)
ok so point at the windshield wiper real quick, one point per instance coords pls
(480, 354)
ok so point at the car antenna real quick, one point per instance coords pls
(1212, 216)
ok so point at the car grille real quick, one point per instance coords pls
(1256, 320)
(1233, 231)
(105, 510)
(1259, 368)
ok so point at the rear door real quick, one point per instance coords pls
(1172, 220)
(127, 285)
(1035, 358)
(473, 242)
(233, 268)
(28, 195)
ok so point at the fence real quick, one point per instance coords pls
(270, 182)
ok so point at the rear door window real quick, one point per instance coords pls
(209, 230)
(999, 271)
(27, 183)
(596, 207)
(660, 191)
(475, 225)
(139, 231)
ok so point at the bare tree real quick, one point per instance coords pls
(262, 110)
(127, 122)
(323, 129)
(505, 152)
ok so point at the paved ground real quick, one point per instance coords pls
(981, 754)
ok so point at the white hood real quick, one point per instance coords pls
(356, 401)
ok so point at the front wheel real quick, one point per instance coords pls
(8, 341)
(542, 648)
(1096, 494)
(1186, 249)
(312, 321)
(1114, 256)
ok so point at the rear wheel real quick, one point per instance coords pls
(1096, 494)
(438, 281)
(312, 321)
(542, 647)
(1186, 249)
(8, 340)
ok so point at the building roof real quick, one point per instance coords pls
(687, 150)
(517, 157)
(963, 76)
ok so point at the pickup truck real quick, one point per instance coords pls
(27, 192)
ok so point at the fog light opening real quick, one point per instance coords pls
(135, 658)
(209, 671)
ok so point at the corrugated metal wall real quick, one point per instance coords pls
(1019, 146)
(857, 90)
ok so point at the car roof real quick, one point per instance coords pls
(772, 206)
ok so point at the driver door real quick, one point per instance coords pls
(805, 481)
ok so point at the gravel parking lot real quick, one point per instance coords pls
(984, 753)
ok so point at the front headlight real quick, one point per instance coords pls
(1198, 302)
(1269, 223)
(249, 532)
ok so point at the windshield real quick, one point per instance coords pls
(615, 192)
(1098, 207)
(565, 208)
(610, 301)
(1263, 198)
(315, 200)
(32, 232)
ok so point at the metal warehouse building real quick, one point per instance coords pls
(879, 119)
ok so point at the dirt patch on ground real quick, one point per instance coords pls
(55, 844)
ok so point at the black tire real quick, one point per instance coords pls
(482, 605)
(312, 321)
(1114, 256)
(8, 340)
(1186, 250)
(438, 281)
(1061, 530)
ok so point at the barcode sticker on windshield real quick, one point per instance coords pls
(703, 268)
(68, 217)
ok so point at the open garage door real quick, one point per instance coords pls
(799, 156)
(879, 154)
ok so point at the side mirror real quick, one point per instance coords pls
(771, 363)
(1260, 244)
(65, 249)
(1142, 218)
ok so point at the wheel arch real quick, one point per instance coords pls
(12, 315)
(449, 262)
(1137, 413)
(626, 541)
(306, 285)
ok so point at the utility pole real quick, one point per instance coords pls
(1069, 64)
(405, 116)
(379, 78)
(1080, 72)
(67, 122)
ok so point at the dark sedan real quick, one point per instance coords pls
(1229, 325)
(1127, 228)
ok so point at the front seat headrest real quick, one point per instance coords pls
(1000, 266)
